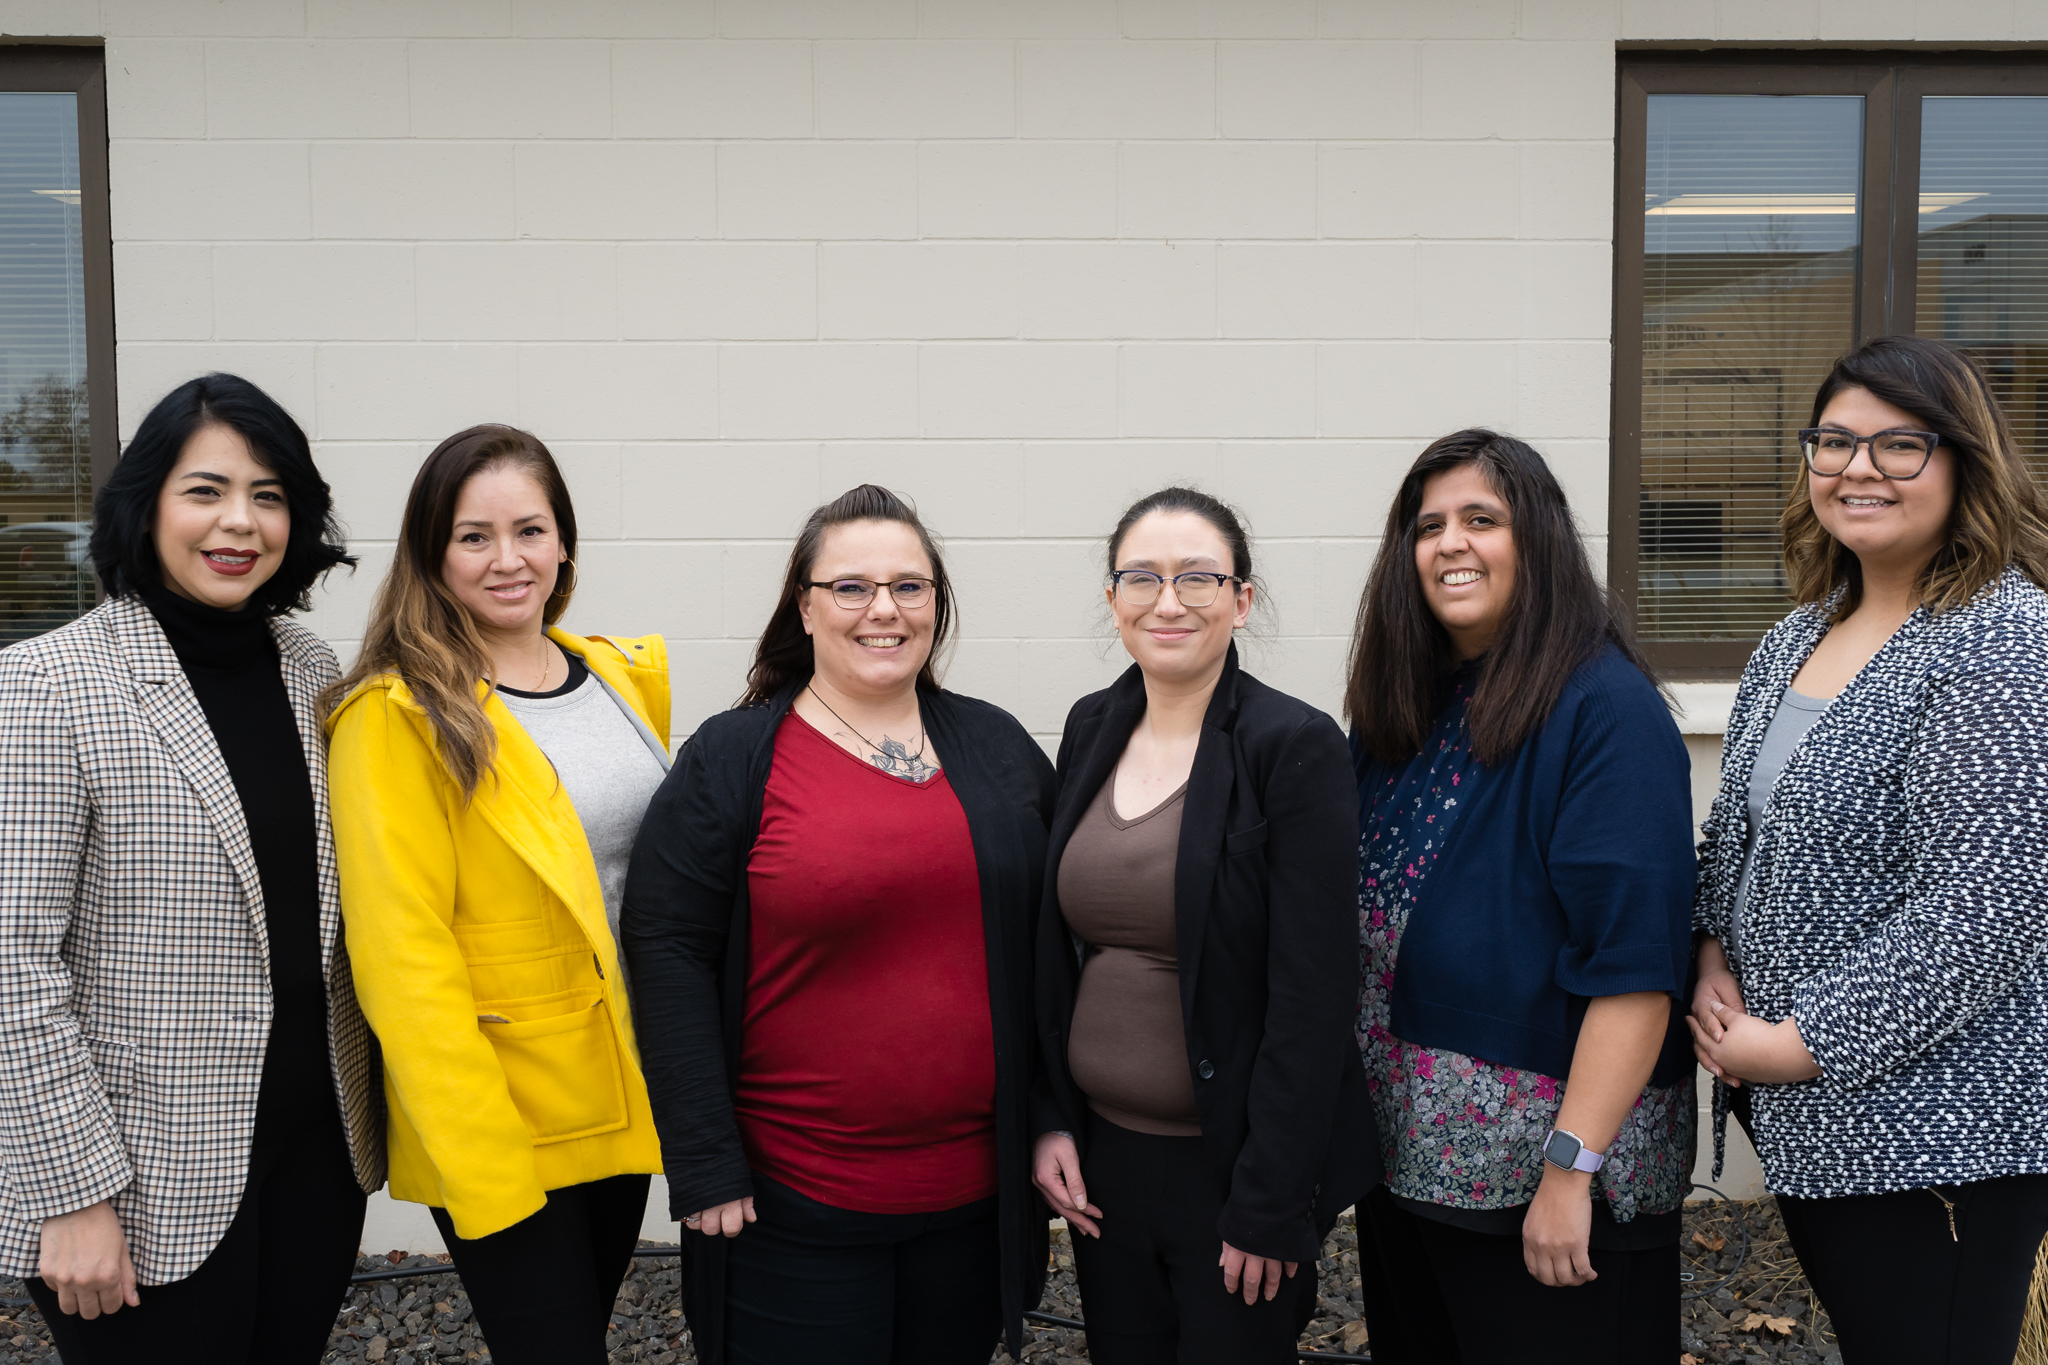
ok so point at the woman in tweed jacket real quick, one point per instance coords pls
(189, 1107)
(1873, 892)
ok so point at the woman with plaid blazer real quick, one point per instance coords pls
(189, 1108)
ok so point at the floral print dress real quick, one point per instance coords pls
(1455, 1130)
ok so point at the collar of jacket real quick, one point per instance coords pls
(1127, 694)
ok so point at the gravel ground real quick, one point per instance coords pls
(1758, 1312)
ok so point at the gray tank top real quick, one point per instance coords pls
(1795, 715)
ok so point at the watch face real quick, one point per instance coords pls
(1562, 1150)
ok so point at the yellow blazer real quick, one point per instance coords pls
(482, 955)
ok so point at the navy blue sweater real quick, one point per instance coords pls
(1569, 877)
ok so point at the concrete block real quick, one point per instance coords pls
(641, 391)
(729, 291)
(1415, 391)
(720, 490)
(332, 291)
(1016, 189)
(1116, 89)
(409, 18)
(2030, 23)
(1212, 189)
(593, 472)
(52, 19)
(1564, 389)
(415, 391)
(1342, 567)
(156, 87)
(817, 18)
(341, 609)
(1529, 289)
(208, 191)
(145, 371)
(1849, 20)
(614, 19)
(1013, 589)
(511, 89)
(202, 18)
(1778, 20)
(662, 589)
(917, 290)
(526, 291)
(1462, 19)
(959, 489)
(705, 677)
(1419, 190)
(750, 578)
(1219, 18)
(1568, 19)
(616, 191)
(952, 88)
(413, 190)
(1143, 290)
(1047, 677)
(1517, 90)
(1017, 19)
(1283, 599)
(1318, 290)
(1316, 90)
(1583, 471)
(1644, 20)
(711, 89)
(1982, 20)
(1078, 492)
(1211, 389)
(370, 481)
(1311, 667)
(1302, 489)
(1030, 389)
(313, 88)
(163, 293)
(778, 392)
(817, 190)
(1567, 190)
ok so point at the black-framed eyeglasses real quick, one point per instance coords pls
(1140, 587)
(855, 593)
(1896, 453)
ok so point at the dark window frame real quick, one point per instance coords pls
(1891, 84)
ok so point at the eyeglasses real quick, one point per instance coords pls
(1141, 589)
(1899, 453)
(855, 593)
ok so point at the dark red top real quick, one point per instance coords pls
(867, 1066)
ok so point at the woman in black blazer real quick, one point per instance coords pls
(1203, 1117)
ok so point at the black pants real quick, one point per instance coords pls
(1419, 1267)
(1151, 1290)
(269, 1292)
(543, 1289)
(811, 1282)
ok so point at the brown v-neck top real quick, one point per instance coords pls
(1127, 1047)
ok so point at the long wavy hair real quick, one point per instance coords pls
(2000, 517)
(1558, 617)
(420, 630)
(784, 654)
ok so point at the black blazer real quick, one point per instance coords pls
(1265, 895)
(683, 928)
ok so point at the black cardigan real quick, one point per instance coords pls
(683, 928)
(1265, 894)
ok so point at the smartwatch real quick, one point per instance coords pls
(1564, 1151)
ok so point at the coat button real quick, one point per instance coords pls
(1205, 1071)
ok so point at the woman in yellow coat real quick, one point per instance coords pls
(489, 774)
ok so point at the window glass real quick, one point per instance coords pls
(1751, 232)
(45, 461)
(1983, 278)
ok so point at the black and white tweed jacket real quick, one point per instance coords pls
(1899, 904)
(134, 959)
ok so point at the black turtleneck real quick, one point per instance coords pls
(231, 660)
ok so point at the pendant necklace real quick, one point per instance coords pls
(890, 755)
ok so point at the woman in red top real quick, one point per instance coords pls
(827, 926)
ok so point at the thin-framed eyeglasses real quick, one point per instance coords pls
(855, 593)
(1140, 587)
(1896, 453)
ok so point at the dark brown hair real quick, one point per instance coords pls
(419, 629)
(1216, 512)
(1557, 618)
(1999, 517)
(784, 654)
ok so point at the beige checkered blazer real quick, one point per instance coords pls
(134, 960)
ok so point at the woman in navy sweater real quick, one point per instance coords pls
(1525, 869)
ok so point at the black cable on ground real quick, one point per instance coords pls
(1741, 1255)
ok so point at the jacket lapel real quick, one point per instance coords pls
(307, 670)
(1097, 758)
(1203, 817)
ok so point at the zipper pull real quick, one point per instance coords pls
(598, 963)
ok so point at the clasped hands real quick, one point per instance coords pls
(1734, 1045)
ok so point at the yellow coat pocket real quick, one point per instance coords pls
(561, 1058)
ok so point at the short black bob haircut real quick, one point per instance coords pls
(124, 510)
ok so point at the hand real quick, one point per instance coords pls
(1056, 1170)
(1253, 1272)
(85, 1259)
(726, 1219)
(1773, 1054)
(1717, 986)
(1556, 1229)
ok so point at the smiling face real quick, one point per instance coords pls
(874, 652)
(221, 521)
(504, 551)
(1171, 641)
(1465, 557)
(1888, 524)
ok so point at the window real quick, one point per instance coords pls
(1772, 214)
(57, 432)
